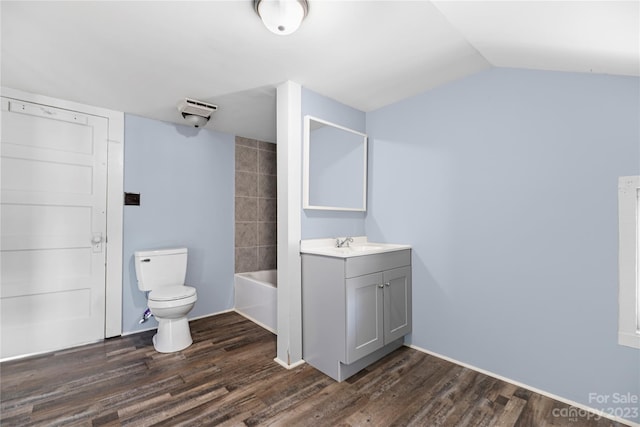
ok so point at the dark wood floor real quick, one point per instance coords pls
(228, 377)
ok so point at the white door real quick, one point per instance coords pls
(53, 222)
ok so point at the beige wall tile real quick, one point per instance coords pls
(267, 210)
(267, 162)
(248, 142)
(246, 234)
(246, 184)
(267, 257)
(267, 233)
(246, 159)
(268, 186)
(255, 205)
(268, 146)
(246, 259)
(246, 209)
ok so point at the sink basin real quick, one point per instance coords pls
(359, 247)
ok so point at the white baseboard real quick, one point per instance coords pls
(577, 405)
(229, 310)
(124, 334)
(287, 366)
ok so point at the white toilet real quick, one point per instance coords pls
(163, 272)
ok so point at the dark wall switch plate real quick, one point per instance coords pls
(132, 199)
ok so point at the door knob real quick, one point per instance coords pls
(96, 242)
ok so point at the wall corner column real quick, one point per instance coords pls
(289, 157)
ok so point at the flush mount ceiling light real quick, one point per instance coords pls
(281, 17)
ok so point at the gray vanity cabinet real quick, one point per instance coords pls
(355, 310)
(378, 310)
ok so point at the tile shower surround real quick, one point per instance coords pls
(255, 205)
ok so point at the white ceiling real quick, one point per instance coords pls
(143, 57)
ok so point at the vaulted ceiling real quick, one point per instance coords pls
(143, 57)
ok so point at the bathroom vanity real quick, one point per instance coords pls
(356, 303)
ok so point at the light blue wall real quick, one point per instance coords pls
(186, 180)
(505, 183)
(318, 224)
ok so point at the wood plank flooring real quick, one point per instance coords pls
(228, 378)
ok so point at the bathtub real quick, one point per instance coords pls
(256, 297)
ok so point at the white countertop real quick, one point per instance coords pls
(359, 247)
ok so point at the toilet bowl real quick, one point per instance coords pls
(162, 272)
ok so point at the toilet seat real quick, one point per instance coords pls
(172, 293)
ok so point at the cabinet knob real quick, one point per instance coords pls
(387, 284)
(381, 286)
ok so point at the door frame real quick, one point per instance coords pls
(115, 199)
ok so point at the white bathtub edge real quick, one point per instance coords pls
(257, 322)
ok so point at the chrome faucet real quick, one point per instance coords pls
(345, 241)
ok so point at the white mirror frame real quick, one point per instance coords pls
(305, 165)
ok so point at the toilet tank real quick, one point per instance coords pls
(160, 268)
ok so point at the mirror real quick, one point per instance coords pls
(334, 168)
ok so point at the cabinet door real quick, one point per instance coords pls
(364, 316)
(397, 303)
